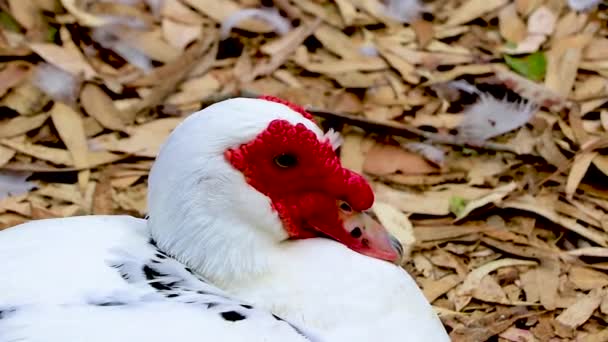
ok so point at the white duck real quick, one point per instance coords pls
(248, 196)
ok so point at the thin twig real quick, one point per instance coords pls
(404, 130)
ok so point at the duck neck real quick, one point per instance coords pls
(223, 251)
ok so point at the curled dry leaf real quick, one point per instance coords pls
(271, 16)
(145, 139)
(21, 124)
(100, 106)
(581, 310)
(397, 224)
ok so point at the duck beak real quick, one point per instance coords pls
(368, 237)
(319, 215)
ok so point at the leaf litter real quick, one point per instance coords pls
(481, 125)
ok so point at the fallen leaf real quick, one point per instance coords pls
(69, 125)
(144, 140)
(100, 106)
(397, 224)
(21, 124)
(581, 311)
(587, 279)
(472, 9)
(532, 66)
(577, 171)
(387, 159)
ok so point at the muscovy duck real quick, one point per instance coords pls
(255, 233)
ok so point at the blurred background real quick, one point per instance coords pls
(481, 125)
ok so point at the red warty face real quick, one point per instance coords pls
(310, 190)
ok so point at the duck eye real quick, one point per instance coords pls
(286, 160)
(345, 207)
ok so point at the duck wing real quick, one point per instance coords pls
(102, 278)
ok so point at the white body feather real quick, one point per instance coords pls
(57, 277)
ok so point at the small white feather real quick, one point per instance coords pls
(430, 152)
(464, 86)
(583, 5)
(13, 183)
(491, 117)
(110, 38)
(280, 24)
(369, 50)
(57, 83)
(334, 138)
(133, 56)
(404, 11)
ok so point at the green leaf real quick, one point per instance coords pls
(9, 22)
(51, 33)
(532, 66)
(457, 205)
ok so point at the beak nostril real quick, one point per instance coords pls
(356, 232)
(397, 245)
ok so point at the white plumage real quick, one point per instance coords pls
(118, 278)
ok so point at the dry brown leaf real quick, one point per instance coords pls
(6, 154)
(545, 207)
(587, 279)
(67, 59)
(177, 11)
(386, 159)
(195, 89)
(542, 21)
(338, 42)
(425, 31)
(434, 233)
(397, 224)
(577, 171)
(488, 325)
(132, 199)
(11, 75)
(473, 279)
(562, 63)
(489, 290)
(102, 197)
(69, 125)
(219, 11)
(435, 201)
(581, 311)
(493, 197)
(84, 18)
(145, 139)
(518, 335)
(353, 151)
(472, 9)
(25, 99)
(179, 35)
(100, 106)
(54, 155)
(63, 192)
(171, 74)
(597, 49)
(434, 289)
(21, 124)
(511, 26)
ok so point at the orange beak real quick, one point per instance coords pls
(363, 234)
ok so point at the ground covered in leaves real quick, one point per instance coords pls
(481, 124)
